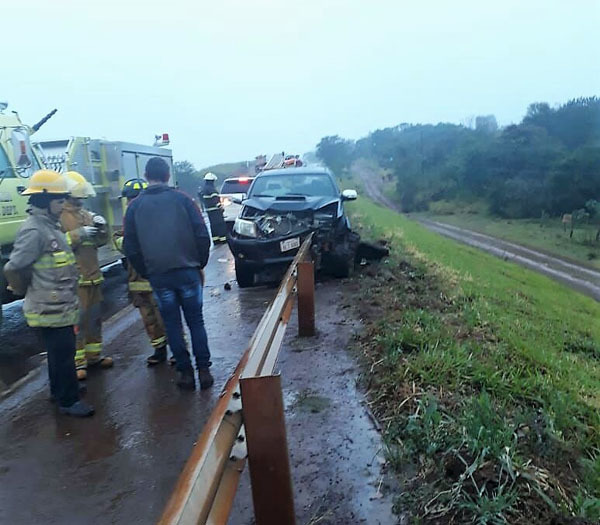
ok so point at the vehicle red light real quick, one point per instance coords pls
(244, 180)
(165, 137)
(23, 147)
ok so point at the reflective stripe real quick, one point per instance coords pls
(66, 319)
(214, 208)
(80, 354)
(54, 260)
(140, 286)
(88, 243)
(93, 348)
(158, 342)
(210, 196)
(219, 238)
(69, 238)
(119, 243)
(90, 282)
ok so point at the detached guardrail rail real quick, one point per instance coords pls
(248, 422)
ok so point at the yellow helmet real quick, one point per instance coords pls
(46, 181)
(78, 186)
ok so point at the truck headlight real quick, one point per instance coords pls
(244, 228)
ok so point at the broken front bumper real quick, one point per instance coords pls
(259, 253)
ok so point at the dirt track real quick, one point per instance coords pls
(576, 276)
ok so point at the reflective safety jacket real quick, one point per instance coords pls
(137, 283)
(86, 250)
(42, 267)
(210, 197)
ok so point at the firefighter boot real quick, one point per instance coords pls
(102, 361)
(205, 377)
(93, 355)
(159, 356)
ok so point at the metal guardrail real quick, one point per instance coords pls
(248, 422)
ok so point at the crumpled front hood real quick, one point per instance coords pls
(290, 204)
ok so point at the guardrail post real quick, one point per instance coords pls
(306, 299)
(264, 422)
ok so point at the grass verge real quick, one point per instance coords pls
(485, 377)
(547, 235)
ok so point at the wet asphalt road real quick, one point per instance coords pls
(121, 465)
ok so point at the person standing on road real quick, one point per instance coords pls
(140, 289)
(166, 241)
(42, 267)
(86, 232)
(211, 203)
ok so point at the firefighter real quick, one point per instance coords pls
(141, 290)
(211, 202)
(74, 220)
(42, 267)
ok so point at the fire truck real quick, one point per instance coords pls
(277, 161)
(105, 164)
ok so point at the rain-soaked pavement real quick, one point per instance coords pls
(121, 465)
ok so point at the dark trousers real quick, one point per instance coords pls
(186, 296)
(218, 229)
(60, 345)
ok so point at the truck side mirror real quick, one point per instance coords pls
(349, 195)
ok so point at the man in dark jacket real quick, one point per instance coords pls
(167, 242)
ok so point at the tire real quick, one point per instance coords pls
(244, 275)
(341, 261)
(342, 267)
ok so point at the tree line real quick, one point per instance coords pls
(548, 164)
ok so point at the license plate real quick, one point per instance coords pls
(290, 244)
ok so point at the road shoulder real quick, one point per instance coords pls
(335, 449)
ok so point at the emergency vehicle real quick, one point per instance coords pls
(105, 164)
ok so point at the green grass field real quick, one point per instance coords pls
(486, 378)
(547, 235)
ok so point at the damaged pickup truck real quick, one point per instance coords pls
(282, 208)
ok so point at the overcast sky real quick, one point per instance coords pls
(229, 79)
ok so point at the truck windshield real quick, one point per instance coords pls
(25, 161)
(311, 184)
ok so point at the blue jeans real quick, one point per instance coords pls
(181, 294)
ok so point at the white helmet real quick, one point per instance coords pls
(210, 176)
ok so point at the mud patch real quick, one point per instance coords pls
(308, 401)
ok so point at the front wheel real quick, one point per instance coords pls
(341, 267)
(244, 275)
